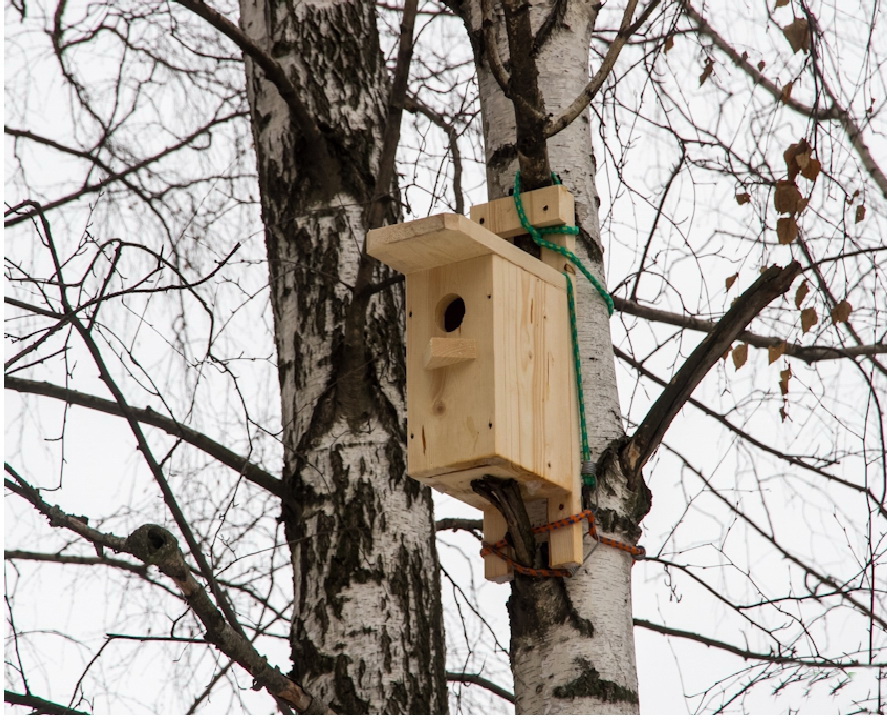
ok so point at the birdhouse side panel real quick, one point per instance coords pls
(450, 381)
(536, 423)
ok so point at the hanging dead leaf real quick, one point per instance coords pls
(811, 169)
(793, 155)
(781, 3)
(860, 213)
(809, 318)
(850, 200)
(797, 35)
(730, 280)
(841, 312)
(669, 43)
(740, 355)
(761, 66)
(784, 377)
(706, 71)
(801, 293)
(802, 205)
(786, 230)
(786, 93)
(774, 352)
(743, 198)
(786, 197)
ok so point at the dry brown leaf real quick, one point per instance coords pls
(781, 3)
(774, 352)
(841, 312)
(706, 71)
(797, 35)
(802, 204)
(809, 318)
(801, 293)
(786, 197)
(743, 198)
(786, 230)
(740, 355)
(860, 213)
(784, 377)
(761, 66)
(730, 280)
(786, 93)
(669, 43)
(811, 169)
(792, 156)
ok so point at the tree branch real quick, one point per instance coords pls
(414, 105)
(154, 545)
(835, 112)
(230, 459)
(749, 654)
(491, 48)
(391, 134)
(626, 30)
(480, 681)
(637, 451)
(505, 497)
(808, 353)
(459, 524)
(721, 418)
(113, 176)
(39, 705)
(526, 98)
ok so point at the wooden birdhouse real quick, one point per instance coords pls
(491, 389)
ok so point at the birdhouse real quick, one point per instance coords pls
(491, 387)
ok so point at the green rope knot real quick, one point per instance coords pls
(587, 468)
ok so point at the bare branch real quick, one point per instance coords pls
(770, 285)
(808, 353)
(835, 112)
(113, 177)
(626, 29)
(391, 136)
(39, 705)
(480, 681)
(230, 459)
(459, 524)
(155, 545)
(791, 459)
(414, 105)
(749, 654)
(491, 48)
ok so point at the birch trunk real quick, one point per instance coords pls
(367, 631)
(572, 646)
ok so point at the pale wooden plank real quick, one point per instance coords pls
(441, 352)
(548, 206)
(495, 527)
(444, 239)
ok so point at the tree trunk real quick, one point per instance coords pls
(572, 646)
(367, 632)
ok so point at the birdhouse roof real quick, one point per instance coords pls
(445, 239)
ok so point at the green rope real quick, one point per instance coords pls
(588, 477)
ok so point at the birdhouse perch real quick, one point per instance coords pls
(491, 389)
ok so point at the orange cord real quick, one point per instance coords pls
(637, 552)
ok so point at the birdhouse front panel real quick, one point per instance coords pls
(489, 378)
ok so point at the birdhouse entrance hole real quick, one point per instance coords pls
(452, 312)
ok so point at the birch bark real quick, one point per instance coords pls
(367, 632)
(572, 647)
